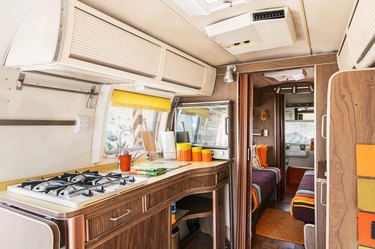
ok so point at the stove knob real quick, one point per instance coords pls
(131, 179)
(87, 192)
(122, 181)
(100, 189)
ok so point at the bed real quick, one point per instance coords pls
(264, 182)
(302, 205)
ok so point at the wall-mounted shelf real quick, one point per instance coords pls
(260, 133)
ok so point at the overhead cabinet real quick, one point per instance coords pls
(69, 38)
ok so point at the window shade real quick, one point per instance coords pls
(140, 101)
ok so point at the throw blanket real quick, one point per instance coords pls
(303, 204)
(264, 182)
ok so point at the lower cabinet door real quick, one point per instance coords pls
(152, 233)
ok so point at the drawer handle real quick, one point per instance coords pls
(321, 194)
(128, 211)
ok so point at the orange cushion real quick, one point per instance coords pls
(262, 154)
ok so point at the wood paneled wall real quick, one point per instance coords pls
(268, 104)
(322, 76)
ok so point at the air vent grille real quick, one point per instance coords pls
(268, 15)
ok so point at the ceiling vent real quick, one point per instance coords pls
(258, 30)
(268, 15)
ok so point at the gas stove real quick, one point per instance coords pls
(78, 189)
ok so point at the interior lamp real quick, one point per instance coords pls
(228, 75)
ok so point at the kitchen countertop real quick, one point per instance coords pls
(56, 210)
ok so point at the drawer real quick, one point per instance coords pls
(366, 229)
(101, 221)
(365, 156)
(366, 197)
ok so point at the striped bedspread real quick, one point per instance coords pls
(302, 205)
(264, 181)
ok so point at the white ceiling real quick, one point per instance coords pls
(322, 21)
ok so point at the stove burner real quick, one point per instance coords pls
(86, 176)
(131, 179)
(32, 183)
(114, 175)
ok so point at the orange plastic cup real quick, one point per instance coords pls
(184, 152)
(125, 162)
(206, 155)
(197, 154)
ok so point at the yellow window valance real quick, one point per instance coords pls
(140, 101)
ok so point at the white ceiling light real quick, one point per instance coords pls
(206, 7)
(286, 75)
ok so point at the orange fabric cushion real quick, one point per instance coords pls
(262, 154)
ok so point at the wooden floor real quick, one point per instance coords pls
(260, 242)
(200, 241)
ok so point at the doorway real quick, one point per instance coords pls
(279, 97)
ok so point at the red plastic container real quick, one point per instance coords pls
(125, 162)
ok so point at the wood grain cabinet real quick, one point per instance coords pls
(151, 233)
(141, 219)
(351, 123)
(99, 222)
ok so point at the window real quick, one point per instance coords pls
(126, 124)
(129, 115)
(299, 132)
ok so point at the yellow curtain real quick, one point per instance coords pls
(140, 101)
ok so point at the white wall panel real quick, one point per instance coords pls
(27, 151)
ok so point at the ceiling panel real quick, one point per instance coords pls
(11, 16)
(164, 20)
(327, 21)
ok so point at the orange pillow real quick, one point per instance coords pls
(262, 154)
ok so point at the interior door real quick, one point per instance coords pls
(244, 139)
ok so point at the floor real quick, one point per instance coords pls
(203, 241)
(260, 242)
